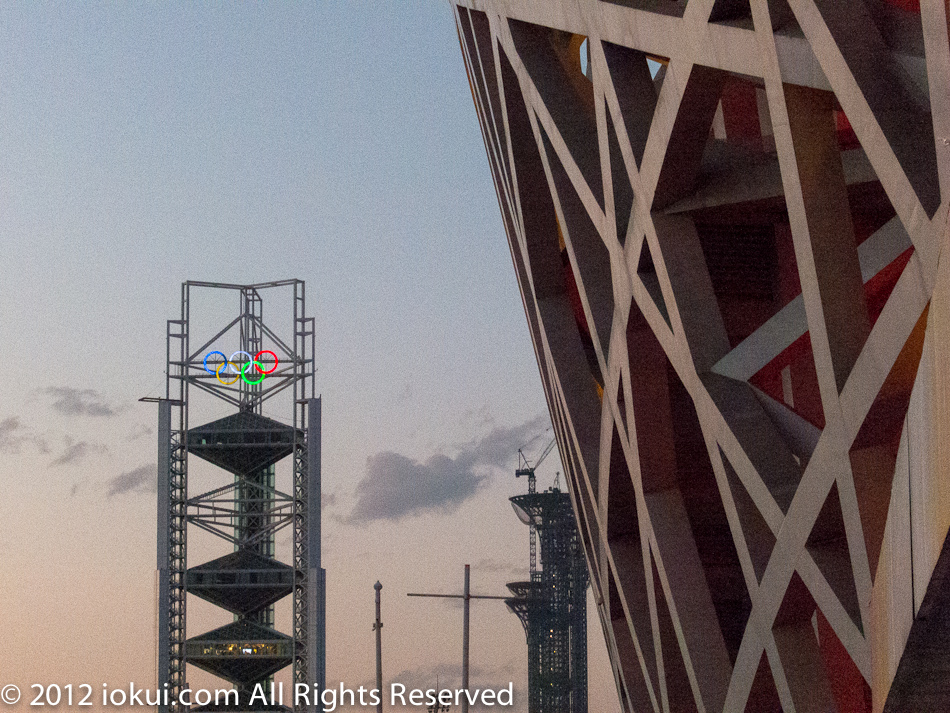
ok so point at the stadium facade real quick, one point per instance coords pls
(727, 219)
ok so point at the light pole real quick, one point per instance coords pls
(465, 620)
(467, 596)
(378, 628)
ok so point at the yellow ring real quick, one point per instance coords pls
(217, 374)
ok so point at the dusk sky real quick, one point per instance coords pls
(145, 144)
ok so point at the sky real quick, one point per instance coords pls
(145, 144)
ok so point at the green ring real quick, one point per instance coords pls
(260, 368)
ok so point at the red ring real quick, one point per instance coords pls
(257, 359)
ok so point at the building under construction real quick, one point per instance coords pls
(552, 606)
(244, 508)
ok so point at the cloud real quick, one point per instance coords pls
(497, 567)
(396, 487)
(79, 402)
(76, 452)
(139, 431)
(137, 480)
(11, 435)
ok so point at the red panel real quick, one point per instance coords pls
(805, 391)
(909, 5)
(740, 113)
(848, 686)
(847, 139)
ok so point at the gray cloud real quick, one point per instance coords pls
(76, 452)
(139, 431)
(12, 435)
(137, 480)
(498, 567)
(395, 486)
(79, 402)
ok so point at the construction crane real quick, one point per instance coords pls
(526, 469)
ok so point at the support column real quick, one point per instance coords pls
(164, 475)
(830, 230)
(378, 627)
(316, 596)
(465, 629)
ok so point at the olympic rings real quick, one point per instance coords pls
(218, 375)
(239, 366)
(259, 367)
(234, 361)
(267, 351)
(209, 355)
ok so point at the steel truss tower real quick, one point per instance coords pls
(553, 606)
(247, 511)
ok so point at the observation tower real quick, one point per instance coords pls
(229, 370)
(552, 606)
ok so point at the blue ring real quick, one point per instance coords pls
(209, 356)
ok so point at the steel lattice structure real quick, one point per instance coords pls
(246, 512)
(728, 220)
(552, 606)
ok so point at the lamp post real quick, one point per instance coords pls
(467, 596)
(378, 628)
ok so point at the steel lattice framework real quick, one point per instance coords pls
(247, 512)
(728, 221)
(552, 606)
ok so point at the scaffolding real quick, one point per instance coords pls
(248, 510)
(552, 605)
